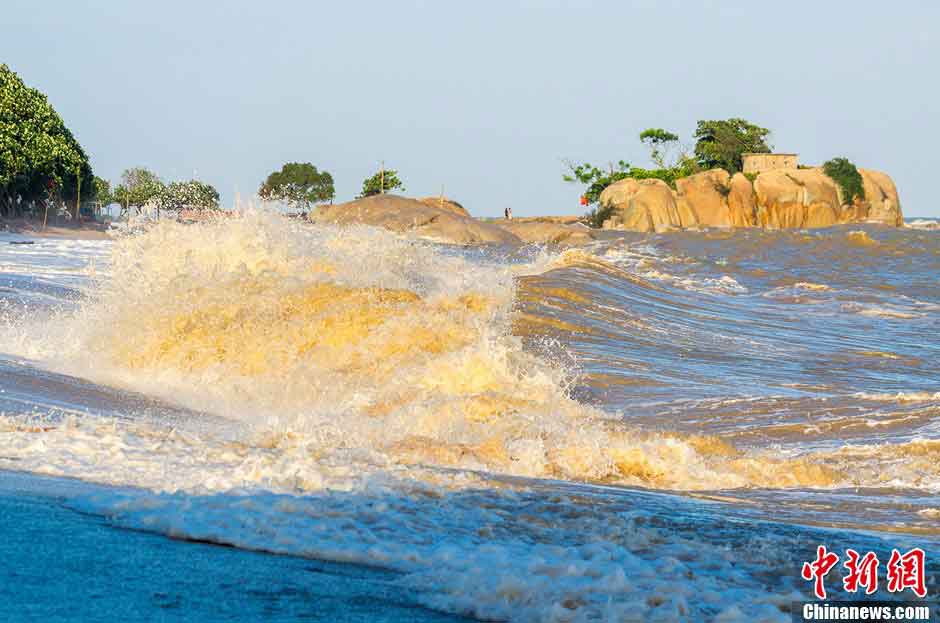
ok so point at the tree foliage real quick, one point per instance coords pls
(719, 144)
(299, 185)
(381, 182)
(39, 156)
(191, 195)
(684, 168)
(846, 175)
(659, 142)
(103, 191)
(598, 179)
(138, 187)
(595, 178)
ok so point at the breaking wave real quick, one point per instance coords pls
(359, 341)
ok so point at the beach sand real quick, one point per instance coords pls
(85, 230)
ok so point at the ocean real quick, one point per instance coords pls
(260, 419)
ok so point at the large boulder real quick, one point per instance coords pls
(742, 202)
(687, 215)
(706, 195)
(796, 198)
(881, 195)
(403, 215)
(548, 231)
(641, 205)
(779, 201)
(820, 196)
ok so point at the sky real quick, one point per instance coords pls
(485, 99)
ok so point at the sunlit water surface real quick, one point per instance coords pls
(652, 427)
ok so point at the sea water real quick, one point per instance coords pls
(655, 427)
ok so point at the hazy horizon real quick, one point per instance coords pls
(485, 99)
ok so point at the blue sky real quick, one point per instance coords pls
(484, 98)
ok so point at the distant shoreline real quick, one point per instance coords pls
(33, 228)
(89, 230)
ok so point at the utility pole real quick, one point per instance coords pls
(78, 194)
(45, 217)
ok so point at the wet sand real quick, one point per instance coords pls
(86, 230)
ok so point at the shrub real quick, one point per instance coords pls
(683, 168)
(596, 179)
(722, 190)
(597, 215)
(382, 182)
(844, 173)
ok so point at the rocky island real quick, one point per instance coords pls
(776, 199)
(732, 178)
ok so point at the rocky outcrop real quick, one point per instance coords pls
(403, 215)
(548, 231)
(564, 220)
(445, 204)
(742, 202)
(881, 195)
(641, 205)
(706, 195)
(779, 199)
(797, 198)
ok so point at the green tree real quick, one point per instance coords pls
(299, 185)
(595, 178)
(381, 182)
(846, 175)
(191, 195)
(39, 157)
(138, 187)
(103, 192)
(719, 144)
(598, 179)
(659, 142)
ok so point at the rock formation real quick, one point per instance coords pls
(742, 202)
(881, 195)
(641, 205)
(403, 215)
(445, 204)
(548, 231)
(783, 198)
(705, 197)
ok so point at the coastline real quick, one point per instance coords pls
(81, 231)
